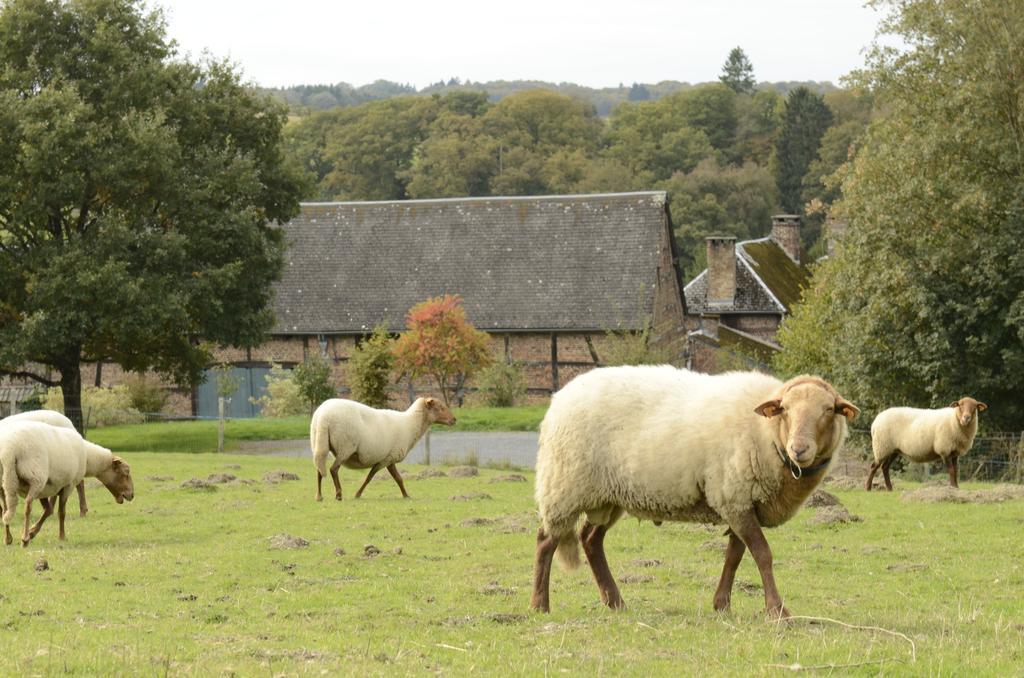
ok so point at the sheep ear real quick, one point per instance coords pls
(769, 409)
(982, 407)
(955, 403)
(847, 409)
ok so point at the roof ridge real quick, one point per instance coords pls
(662, 195)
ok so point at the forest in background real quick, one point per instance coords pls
(730, 154)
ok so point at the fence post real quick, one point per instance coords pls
(220, 424)
(426, 447)
(1020, 458)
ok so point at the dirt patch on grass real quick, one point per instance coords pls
(906, 567)
(219, 478)
(463, 472)
(160, 479)
(834, 515)
(476, 522)
(274, 477)
(633, 578)
(287, 541)
(495, 589)
(844, 483)
(198, 484)
(822, 498)
(371, 551)
(644, 562)
(429, 473)
(508, 478)
(944, 493)
(472, 496)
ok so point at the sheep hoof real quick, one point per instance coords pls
(8, 540)
(24, 543)
(722, 604)
(319, 498)
(83, 513)
(778, 613)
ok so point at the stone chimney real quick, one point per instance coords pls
(721, 270)
(834, 231)
(786, 234)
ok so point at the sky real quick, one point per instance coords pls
(596, 43)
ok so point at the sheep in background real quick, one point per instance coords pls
(924, 436)
(661, 444)
(53, 418)
(44, 462)
(363, 437)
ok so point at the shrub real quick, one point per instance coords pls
(634, 348)
(369, 369)
(100, 406)
(282, 398)
(146, 392)
(313, 378)
(502, 384)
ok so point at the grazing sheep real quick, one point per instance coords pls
(924, 436)
(363, 437)
(661, 444)
(57, 419)
(44, 462)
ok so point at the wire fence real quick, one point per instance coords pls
(995, 456)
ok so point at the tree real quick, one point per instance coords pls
(312, 377)
(924, 301)
(803, 124)
(442, 344)
(369, 368)
(136, 197)
(738, 72)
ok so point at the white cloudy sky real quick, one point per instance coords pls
(590, 42)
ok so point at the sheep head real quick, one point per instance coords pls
(118, 479)
(438, 412)
(807, 411)
(967, 409)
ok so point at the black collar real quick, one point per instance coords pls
(795, 469)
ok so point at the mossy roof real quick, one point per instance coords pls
(746, 344)
(767, 281)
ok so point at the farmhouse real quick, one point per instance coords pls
(738, 302)
(547, 277)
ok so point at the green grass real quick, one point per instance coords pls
(185, 582)
(201, 436)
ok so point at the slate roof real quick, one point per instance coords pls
(767, 281)
(578, 262)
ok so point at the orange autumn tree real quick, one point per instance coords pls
(441, 344)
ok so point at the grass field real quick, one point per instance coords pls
(201, 436)
(192, 582)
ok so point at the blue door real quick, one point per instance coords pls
(253, 386)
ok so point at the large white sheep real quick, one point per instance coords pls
(57, 419)
(363, 437)
(924, 436)
(660, 443)
(44, 462)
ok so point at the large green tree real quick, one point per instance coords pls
(924, 301)
(803, 124)
(137, 192)
(738, 72)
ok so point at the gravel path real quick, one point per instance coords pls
(516, 448)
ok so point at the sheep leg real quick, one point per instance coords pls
(47, 512)
(750, 532)
(875, 465)
(393, 470)
(369, 477)
(83, 507)
(733, 555)
(337, 481)
(62, 506)
(546, 546)
(885, 471)
(30, 497)
(592, 538)
(319, 485)
(951, 466)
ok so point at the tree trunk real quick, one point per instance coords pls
(71, 390)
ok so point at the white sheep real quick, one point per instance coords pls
(924, 436)
(661, 444)
(363, 437)
(44, 462)
(53, 418)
